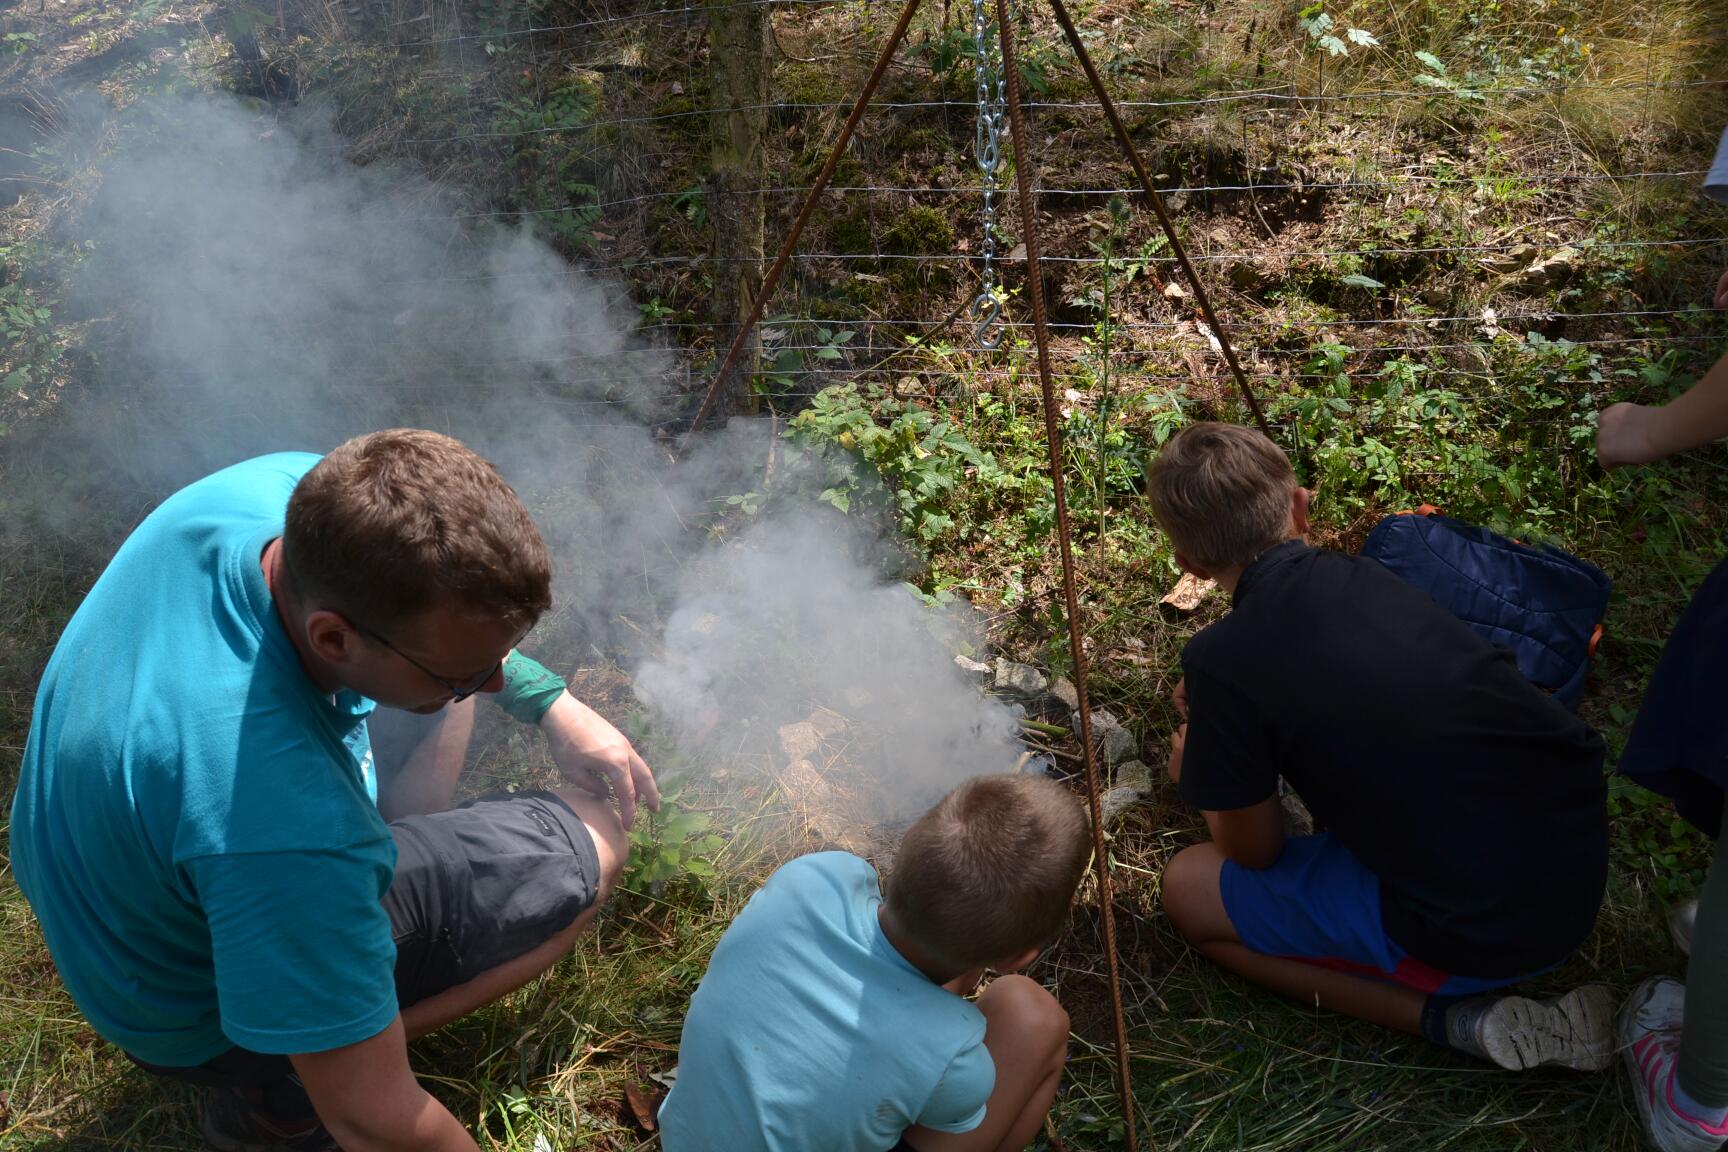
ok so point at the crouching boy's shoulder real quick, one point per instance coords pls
(818, 877)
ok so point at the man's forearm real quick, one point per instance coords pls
(426, 1127)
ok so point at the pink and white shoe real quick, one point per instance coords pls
(1650, 1037)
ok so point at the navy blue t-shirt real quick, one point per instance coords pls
(1479, 802)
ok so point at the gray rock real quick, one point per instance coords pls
(971, 665)
(1512, 259)
(1040, 765)
(1133, 788)
(1555, 270)
(1115, 742)
(799, 741)
(1021, 678)
(1243, 275)
(1063, 689)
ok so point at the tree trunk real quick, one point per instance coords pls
(738, 72)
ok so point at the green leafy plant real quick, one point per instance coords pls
(1323, 31)
(922, 461)
(693, 202)
(790, 362)
(558, 178)
(1436, 76)
(674, 841)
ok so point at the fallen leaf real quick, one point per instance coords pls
(642, 1106)
(1188, 593)
(1174, 291)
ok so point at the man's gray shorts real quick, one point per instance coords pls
(484, 883)
(475, 886)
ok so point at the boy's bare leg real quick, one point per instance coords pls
(427, 782)
(613, 848)
(1026, 1032)
(1195, 905)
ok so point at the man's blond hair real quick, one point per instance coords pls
(1222, 494)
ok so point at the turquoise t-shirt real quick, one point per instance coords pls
(810, 1031)
(195, 824)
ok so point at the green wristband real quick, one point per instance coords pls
(530, 689)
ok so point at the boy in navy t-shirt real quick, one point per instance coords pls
(1466, 842)
(831, 1019)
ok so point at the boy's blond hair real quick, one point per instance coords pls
(990, 871)
(1222, 494)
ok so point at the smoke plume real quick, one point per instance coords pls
(255, 292)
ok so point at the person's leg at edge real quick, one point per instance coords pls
(1026, 1032)
(612, 846)
(1703, 1068)
(1575, 1030)
(1675, 1035)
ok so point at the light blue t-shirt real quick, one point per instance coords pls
(195, 824)
(810, 1032)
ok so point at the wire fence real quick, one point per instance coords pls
(1269, 225)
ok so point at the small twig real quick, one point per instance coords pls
(1040, 726)
(1056, 752)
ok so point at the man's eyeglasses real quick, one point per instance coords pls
(458, 692)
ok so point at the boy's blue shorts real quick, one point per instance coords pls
(1321, 905)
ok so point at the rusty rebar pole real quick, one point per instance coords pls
(1070, 593)
(772, 280)
(1164, 221)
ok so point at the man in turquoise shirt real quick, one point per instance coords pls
(229, 892)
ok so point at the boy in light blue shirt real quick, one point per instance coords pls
(831, 1019)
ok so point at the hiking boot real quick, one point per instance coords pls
(1680, 922)
(1650, 1038)
(1574, 1031)
(231, 1122)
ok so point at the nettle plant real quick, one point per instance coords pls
(922, 460)
(672, 842)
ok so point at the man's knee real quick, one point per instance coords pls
(1191, 889)
(1025, 1015)
(611, 842)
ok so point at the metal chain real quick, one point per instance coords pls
(987, 144)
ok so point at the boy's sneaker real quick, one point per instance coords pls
(230, 1123)
(1680, 922)
(1650, 1037)
(1575, 1030)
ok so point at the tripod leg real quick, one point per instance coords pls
(1070, 594)
(778, 268)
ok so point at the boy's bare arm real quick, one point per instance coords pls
(1640, 434)
(1253, 837)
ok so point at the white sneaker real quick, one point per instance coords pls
(1680, 921)
(1575, 1030)
(1650, 1037)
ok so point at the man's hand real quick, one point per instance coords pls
(1180, 698)
(1177, 740)
(1721, 298)
(595, 757)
